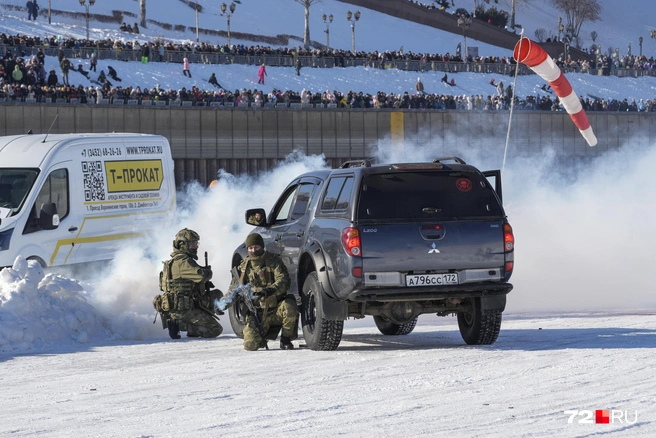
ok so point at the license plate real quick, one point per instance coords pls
(431, 280)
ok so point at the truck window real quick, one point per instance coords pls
(55, 189)
(282, 212)
(303, 197)
(338, 193)
(421, 196)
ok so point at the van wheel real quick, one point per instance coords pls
(319, 333)
(387, 327)
(478, 328)
(39, 260)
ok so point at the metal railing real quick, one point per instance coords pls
(309, 61)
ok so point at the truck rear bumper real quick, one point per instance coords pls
(430, 293)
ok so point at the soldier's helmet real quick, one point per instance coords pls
(183, 238)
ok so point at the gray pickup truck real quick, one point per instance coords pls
(393, 241)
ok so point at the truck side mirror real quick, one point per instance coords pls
(48, 218)
(256, 217)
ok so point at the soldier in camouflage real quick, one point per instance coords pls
(184, 281)
(269, 280)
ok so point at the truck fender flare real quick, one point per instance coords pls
(333, 309)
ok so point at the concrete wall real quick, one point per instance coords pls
(204, 140)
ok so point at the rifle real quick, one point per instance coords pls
(244, 292)
(208, 287)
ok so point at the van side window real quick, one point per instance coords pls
(55, 189)
(338, 193)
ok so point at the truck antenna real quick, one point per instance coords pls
(53, 124)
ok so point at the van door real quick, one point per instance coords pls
(59, 243)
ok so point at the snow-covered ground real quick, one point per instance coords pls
(84, 358)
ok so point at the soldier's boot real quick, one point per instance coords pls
(286, 343)
(252, 345)
(174, 328)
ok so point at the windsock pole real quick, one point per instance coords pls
(533, 56)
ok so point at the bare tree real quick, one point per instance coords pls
(594, 35)
(307, 4)
(142, 12)
(540, 33)
(578, 12)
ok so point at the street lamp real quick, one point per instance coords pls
(327, 20)
(83, 3)
(196, 8)
(640, 41)
(464, 22)
(629, 49)
(356, 17)
(565, 47)
(561, 28)
(228, 12)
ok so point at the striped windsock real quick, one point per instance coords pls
(533, 56)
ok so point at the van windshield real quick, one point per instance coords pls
(427, 195)
(15, 184)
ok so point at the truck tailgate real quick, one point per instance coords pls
(434, 246)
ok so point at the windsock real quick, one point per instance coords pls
(533, 56)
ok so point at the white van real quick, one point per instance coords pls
(76, 198)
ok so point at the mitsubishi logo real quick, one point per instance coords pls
(434, 249)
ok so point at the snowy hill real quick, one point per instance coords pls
(84, 358)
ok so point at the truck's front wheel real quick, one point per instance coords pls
(319, 332)
(477, 327)
(387, 327)
(237, 315)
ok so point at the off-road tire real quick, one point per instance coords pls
(237, 314)
(320, 334)
(478, 328)
(387, 327)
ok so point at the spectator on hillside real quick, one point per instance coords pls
(445, 78)
(32, 10)
(52, 79)
(185, 67)
(298, 66)
(124, 27)
(214, 82)
(102, 79)
(145, 53)
(93, 62)
(161, 53)
(17, 74)
(82, 71)
(261, 73)
(65, 67)
(135, 29)
(112, 74)
(419, 87)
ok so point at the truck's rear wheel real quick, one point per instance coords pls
(319, 333)
(478, 328)
(387, 327)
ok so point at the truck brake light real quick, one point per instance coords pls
(351, 241)
(508, 238)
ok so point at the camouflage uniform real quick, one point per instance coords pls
(190, 305)
(268, 272)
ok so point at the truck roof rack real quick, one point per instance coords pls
(365, 162)
(456, 159)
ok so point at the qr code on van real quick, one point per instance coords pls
(94, 181)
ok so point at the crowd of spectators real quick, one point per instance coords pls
(157, 50)
(22, 79)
